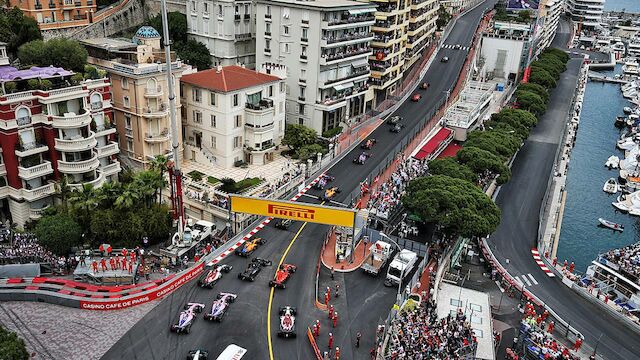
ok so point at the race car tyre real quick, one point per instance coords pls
(227, 268)
(280, 334)
(172, 328)
(188, 329)
(219, 296)
(293, 335)
(271, 283)
(282, 286)
(293, 269)
(198, 309)
(269, 263)
(240, 276)
(252, 279)
(232, 299)
(186, 307)
(207, 317)
(294, 311)
(200, 283)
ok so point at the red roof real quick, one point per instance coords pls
(450, 151)
(433, 144)
(230, 78)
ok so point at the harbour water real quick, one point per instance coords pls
(627, 5)
(581, 240)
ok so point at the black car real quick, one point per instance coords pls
(283, 224)
(394, 120)
(253, 269)
(396, 128)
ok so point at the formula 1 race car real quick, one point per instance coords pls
(212, 276)
(282, 275)
(187, 317)
(394, 120)
(198, 355)
(362, 158)
(283, 224)
(287, 327)
(396, 129)
(416, 97)
(249, 247)
(330, 193)
(368, 144)
(323, 181)
(424, 86)
(253, 269)
(220, 306)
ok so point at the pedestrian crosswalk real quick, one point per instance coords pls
(455, 46)
(526, 280)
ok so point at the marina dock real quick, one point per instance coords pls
(607, 79)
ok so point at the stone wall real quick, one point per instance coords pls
(153, 7)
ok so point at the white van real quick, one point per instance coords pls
(232, 352)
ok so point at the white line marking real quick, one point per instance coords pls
(519, 281)
(526, 279)
(533, 279)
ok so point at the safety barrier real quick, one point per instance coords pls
(314, 345)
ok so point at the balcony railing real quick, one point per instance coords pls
(157, 137)
(96, 182)
(111, 169)
(267, 16)
(305, 22)
(79, 167)
(247, 16)
(107, 150)
(36, 214)
(153, 92)
(78, 144)
(348, 37)
(349, 76)
(70, 120)
(262, 105)
(303, 57)
(301, 98)
(3, 169)
(244, 36)
(31, 148)
(237, 17)
(160, 110)
(351, 20)
(96, 105)
(304, 39)
(263, 128)
(28, 173)
(38, 193)
(345, 54)
(267, 51)
(340, 97)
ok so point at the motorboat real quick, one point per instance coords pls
(630, 68)
(611, 186)
(627, 110)
(612, 162)
(627, 143)
(631, 93)
(628, 203)
(611, 225)
(620, 121)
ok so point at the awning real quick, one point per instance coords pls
(361, 11)
(344, 86)
(360, 63)
(433, 144)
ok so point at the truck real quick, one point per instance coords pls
(401, 266)
(202, 230)
(378, 256)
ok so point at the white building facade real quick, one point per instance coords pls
(325, 46)
(587, 13)
(233, 115)
(226, 27)
(550, 11)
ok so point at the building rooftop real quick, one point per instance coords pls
(147, 32)
(321, 4)
(109, 43)
(228, 78)
(9, 73)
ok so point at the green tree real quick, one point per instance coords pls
(559, 54)
(443, 17)
(542, 77)
(177, 26)
(535, 88)
(496, 142)
(160, 164)
(194, 53)
(148, 182)
(310, 151)
(524, 16)
(531, 102)
(456, 205)
(59, 52)
(515, 117)
(297, 136)
(63, 192)
(11, 346)
(550, 67)
(58, 233)
(17, 29)
(450, 167)
(129, 196)
(484, 163)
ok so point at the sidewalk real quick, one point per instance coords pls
(329, 258)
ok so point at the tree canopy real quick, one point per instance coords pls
(497, 142)
(530, 101)
(60, 52)
(542, 77)
(457, 206)
(450, 167)
(484, 163)
(11, 346)
(177, 26)
(296, 136)
(443, 17)
(59, 233)
(17, 29)
(535, 88)
(191, 51)
(194, 53)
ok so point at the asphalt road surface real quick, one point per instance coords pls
(520, 201)
(246, 322)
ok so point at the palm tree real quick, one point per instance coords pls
(84, 199)
(108, 193)
(128, 196)
(63, 191)
(148, 182)
(159, 163)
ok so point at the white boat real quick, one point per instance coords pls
(630, 68)
(627, 143)
(627, 110)
(611, 186)
(630, 94)
(612, 162)
(611, 225)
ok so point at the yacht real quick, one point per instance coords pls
(613, 162)
(631, 68)
(611, 186)
(628, 203)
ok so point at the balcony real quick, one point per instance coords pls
(267, 33)
(157, 111)
(267, 16)
(243, 37)
(78, 3)
(157, 137)
(111, 169)
(259, 129)
(263, 105)
(345, 92)
(247, 16)
(330, 59)
(238, 17)
(304, 39)
(305, 22)
(71, 120)
(35, 214)
(351, 21)
(3, 169)
(128, 132)
(153, 92)
(77, 144)
(331, 42)
(79, 167)
(301, 98)
(31, 148)
(105, 130)
(267, 51)
(38, 193)
(352, 75)
(28, 173)
(95, 183)
(107, 150)
(96, 105)
(303, 58)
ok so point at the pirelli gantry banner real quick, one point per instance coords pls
(292, 210)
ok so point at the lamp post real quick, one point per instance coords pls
(398, 295)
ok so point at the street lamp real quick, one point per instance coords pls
(398, 295)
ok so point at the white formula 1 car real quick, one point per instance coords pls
(287, 327)
(212, 276)
(220, 306)
(187, 317)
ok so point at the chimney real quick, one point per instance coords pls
(218, 69)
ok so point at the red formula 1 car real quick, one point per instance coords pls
(282, 275)
(212, 275)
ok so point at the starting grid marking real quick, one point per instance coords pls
(526, 279)
(260, 226)
(453, 46)
(538, 259)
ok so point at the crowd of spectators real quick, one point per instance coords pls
(540, 342)
(418, 334)
(24, 249)
(627, 258)
(384, 200)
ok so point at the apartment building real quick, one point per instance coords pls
(586, 13)
(65, 13)
(51, 129)
(137, 70)
(232, 115)
(226, 27)
(325, 46)
(550, 11)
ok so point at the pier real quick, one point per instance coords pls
(607, 79)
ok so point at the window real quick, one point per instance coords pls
(235, 99)
(475, 307)
(305, 17)
(300, 121)
(267, 44)
(205, 27)
(455, 302)
(285, 29)
(270, 90)
(205, 7)
(194, 6)
(281, 107)
(305, 33)
(303, 74)
(246, 9)
(194, 24)
(196, 94)
(125, 83)
(220, 11)
(302, 91)
(197, 117)
(268, 10)
(237, 10)
(238, 121)
(212, 98)
(303, 50)
(125, 100)
(285, 13)
(127, 121)
(214, 142)
(286, 48)
(214, 122)
(267, 28)
(282, 87)
(301, 109)
(254, 99)
(237, 142)
(129, 145)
